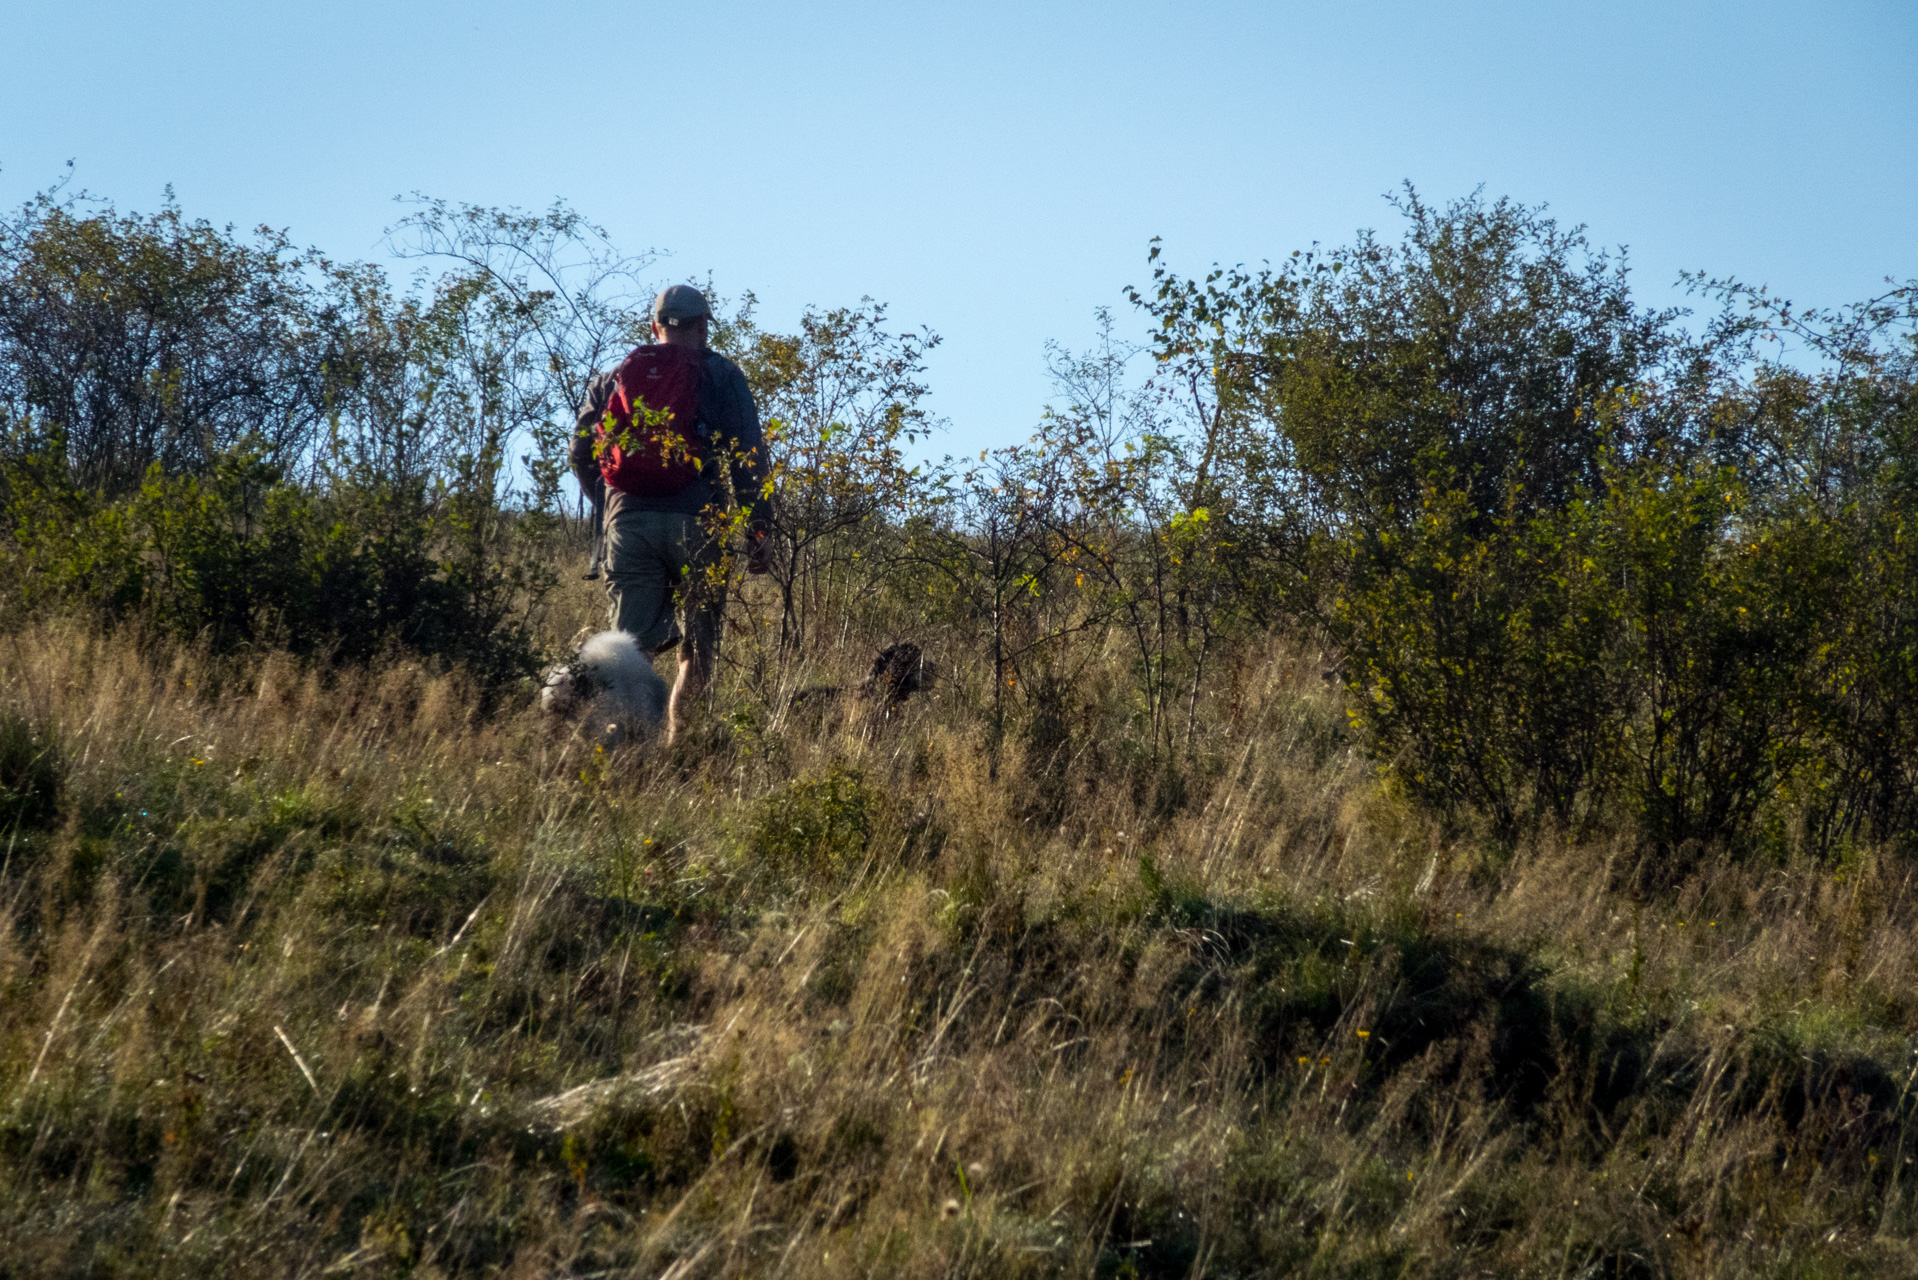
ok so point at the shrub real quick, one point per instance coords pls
(134, 340)
(1725, 605)
(815, 825)
(1654, 646)
(1481, 667)
(242, 557)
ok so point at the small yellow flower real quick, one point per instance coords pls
(1365, 1035)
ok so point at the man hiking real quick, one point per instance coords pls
(670, 432)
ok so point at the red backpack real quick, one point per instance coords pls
(658, 459)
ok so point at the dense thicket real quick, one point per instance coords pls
(1583, 562)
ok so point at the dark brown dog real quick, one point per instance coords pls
(899, 671)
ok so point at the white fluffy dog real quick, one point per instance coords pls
(611, 684)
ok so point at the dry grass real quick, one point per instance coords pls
(307, 976)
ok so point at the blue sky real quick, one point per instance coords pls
(995, 170)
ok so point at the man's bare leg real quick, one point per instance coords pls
(695, 673)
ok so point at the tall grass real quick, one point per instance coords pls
(311, 973)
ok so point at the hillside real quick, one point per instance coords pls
(1421, 779)
(313, 975)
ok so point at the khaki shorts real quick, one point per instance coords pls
(656, 580)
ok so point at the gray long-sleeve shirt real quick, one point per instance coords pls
(728, 423)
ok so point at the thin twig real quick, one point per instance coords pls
(298, 1061)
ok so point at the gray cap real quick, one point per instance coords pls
(680, 302)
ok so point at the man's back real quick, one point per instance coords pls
(728, 423)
